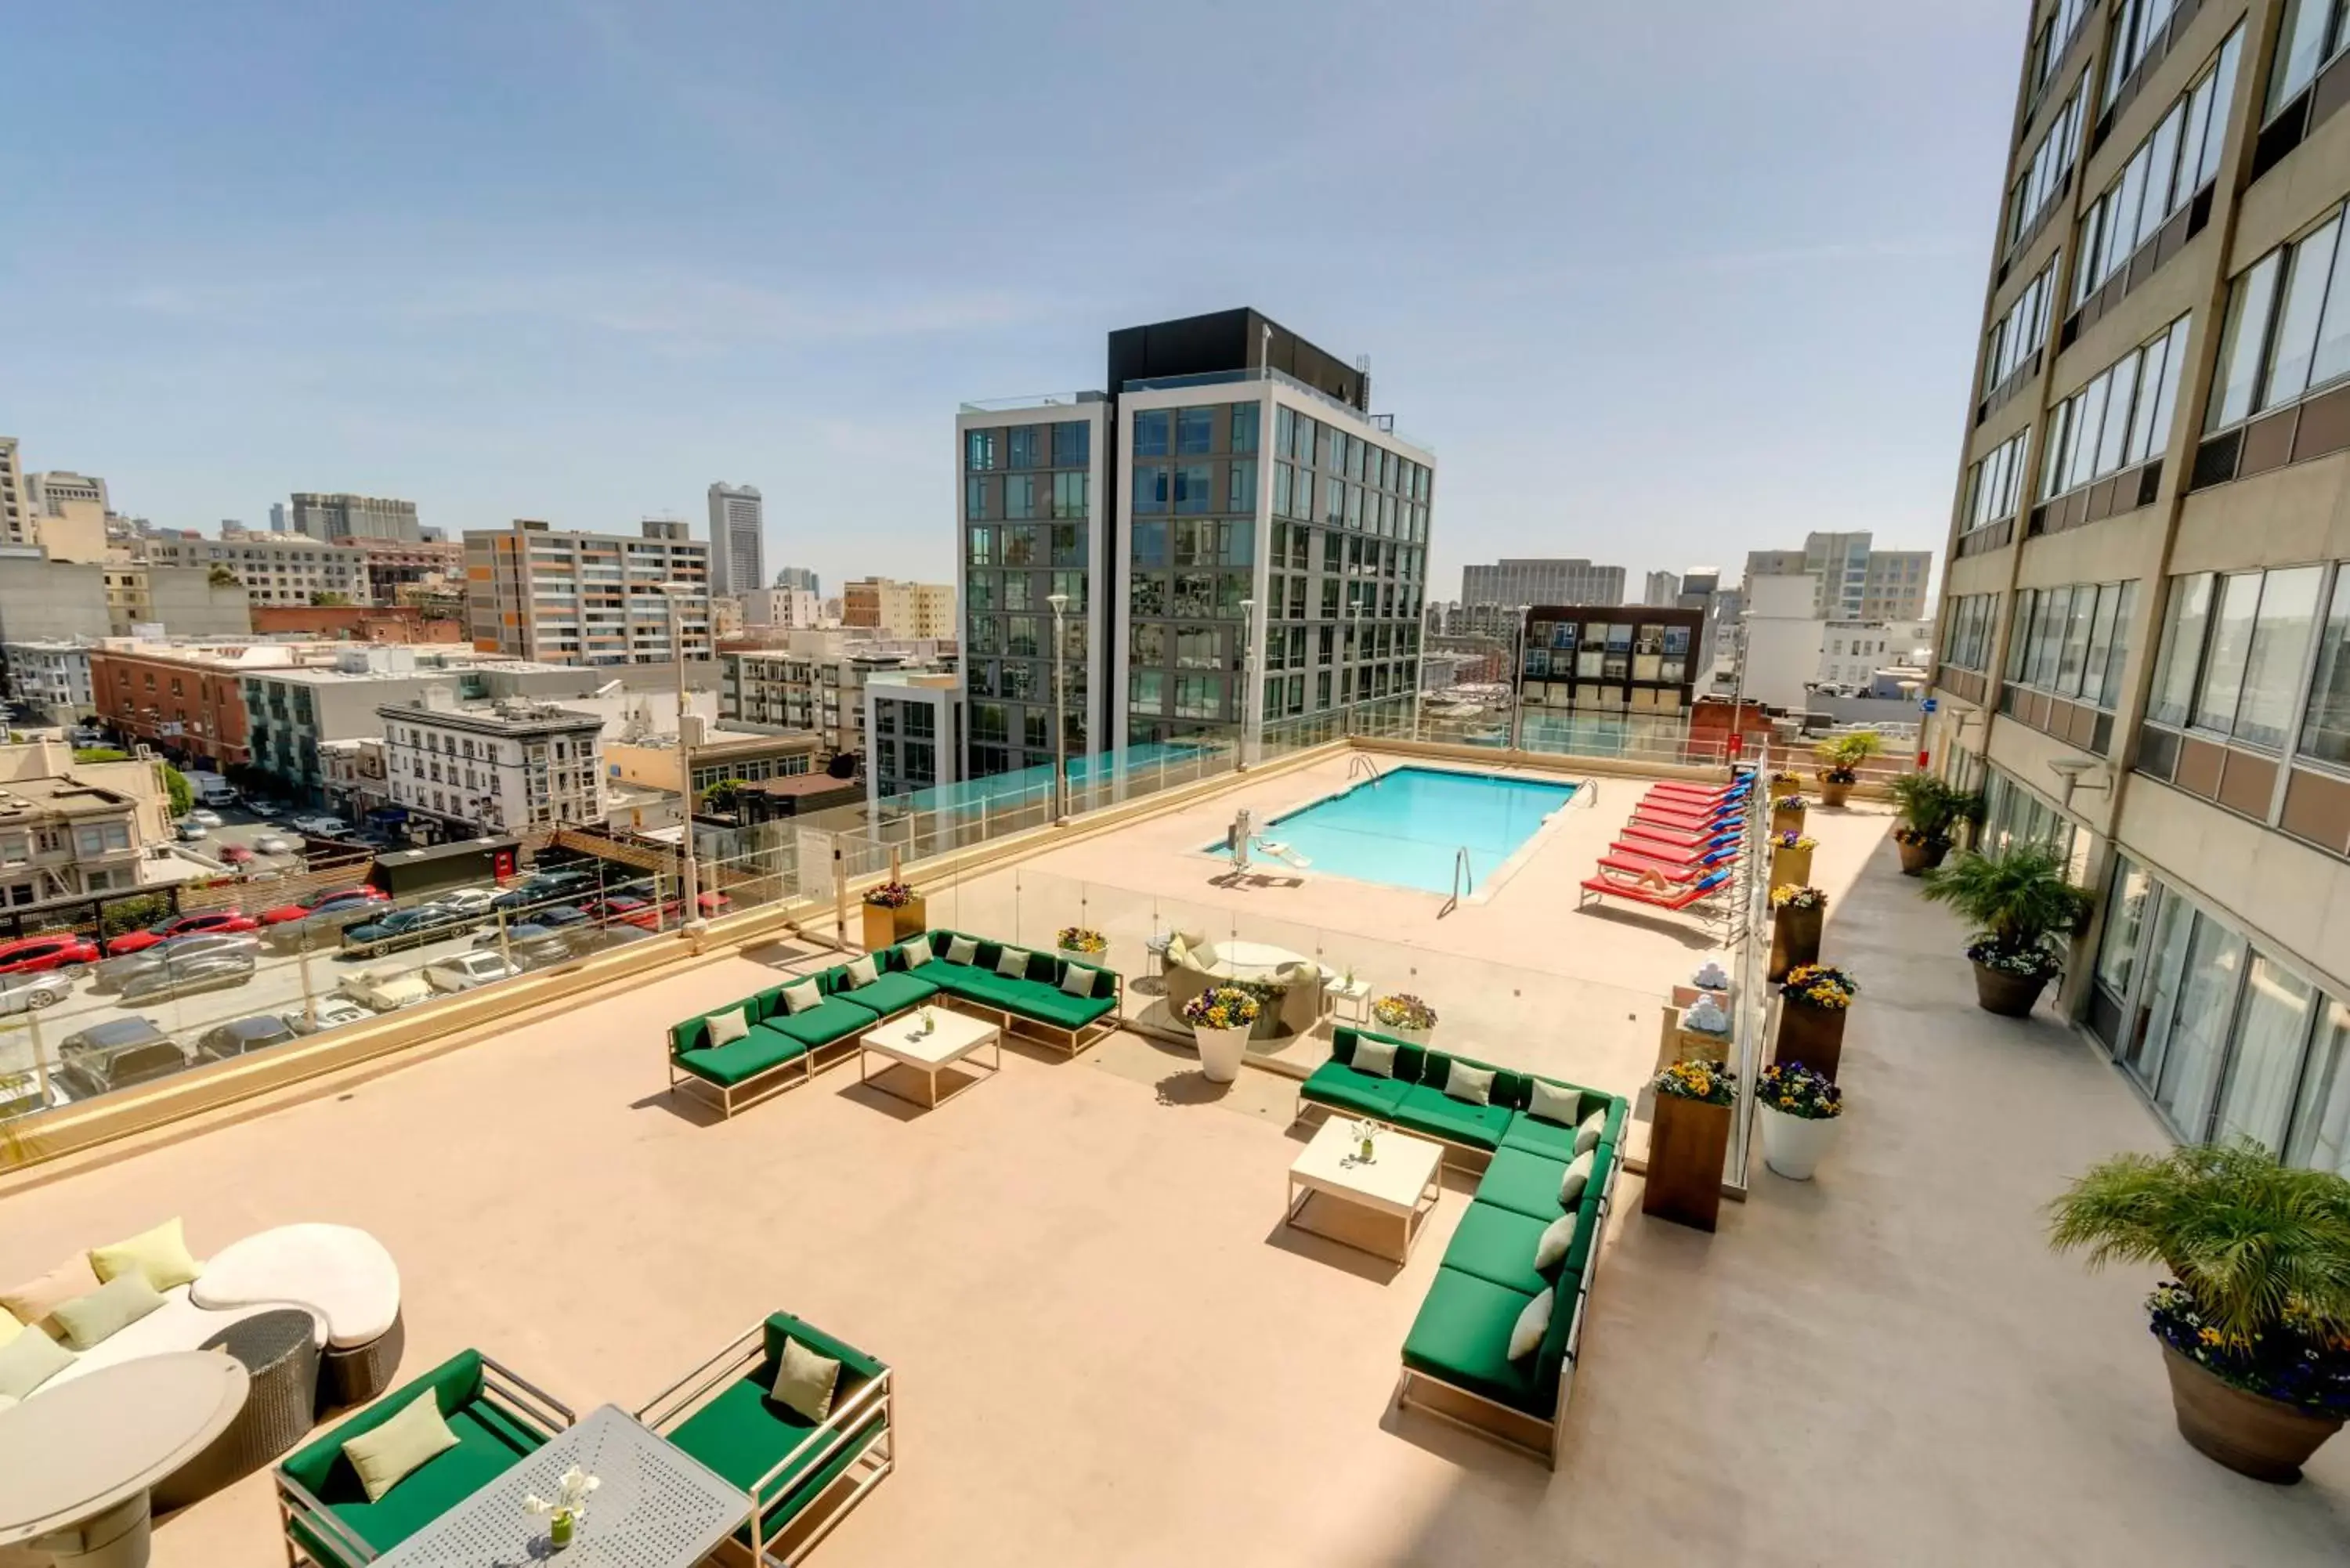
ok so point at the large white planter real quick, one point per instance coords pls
(1098, 961)
(1794, 1146)
(1222, 1051)
(1399, 1032)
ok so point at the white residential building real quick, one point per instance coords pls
(787, 609)
(1853, 651)
(15, 504)
(493, 767)
(562, 597)
(52, 675)
(275, 570)
(738, 550)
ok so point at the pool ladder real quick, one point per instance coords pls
(1363, 766)
(1464, 879)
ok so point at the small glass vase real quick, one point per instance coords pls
(1367, 1151)
(560, 1527)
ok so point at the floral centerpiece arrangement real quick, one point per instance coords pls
(890, 895)
(566, 1508)
(1819, 985)
(1707, 1083)
(1081, 939)
(1795, 1090)
(1404, 1015)
(1222, 1007)
(1790, 896)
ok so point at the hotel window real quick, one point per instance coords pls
(1995, 483)
(1026, 446)
(2023, 329)
(2048, 45)
(2326, 731)
(1070, 492)
(1241, 487)
(2178, 158)
(2233, 650)
(1151, 434)
(1019, 495)
(1245, 421)
(2052, 160)
(2121, 419)
(1192, 488)
(2074, 640)
(2013, 814)
(1195, 432)
(2135, 26)
(1968, 630)
(2311, 34)
(2288, 329)
(1072, 443)
(979, 450)
(1150, 485)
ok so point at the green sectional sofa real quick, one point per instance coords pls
(1456, 1362)
(498, 1421)
(783, 1047)
(1036, 1003)
(803, 1476)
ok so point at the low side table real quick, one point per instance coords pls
(279, 1352)
(902, 1041)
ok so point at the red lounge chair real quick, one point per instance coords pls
(1701, 888)
(1703, 792)
(1631, 868)
(1678, 839)
(1705, 858)
(1691, 803)
(1664, 817)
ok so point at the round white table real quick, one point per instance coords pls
(1245, 960)
(76, 1462)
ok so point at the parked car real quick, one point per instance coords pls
(358, 897)
(50, 949)
(323, 826)
(184, 977)
(625, 911)
(463, 971)
(204, 817)
(240, 1035)
(189, 832)
(110, 973)
(467, 900)
(407, 928)
(209, 921)
(531, 946)
(237, 853)
(559, 917)
(115, 1055)
(275, 843)
(35, 988)
(610, 937)
(542, 886)
(387, 989)
(327, 1012)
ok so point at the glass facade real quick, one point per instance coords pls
(1028, 525)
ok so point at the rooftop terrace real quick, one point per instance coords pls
(1110, 1348)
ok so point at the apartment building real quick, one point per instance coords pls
(720, 756)
(2145, 633)
(1662, 589)
(392, 565)
(491, 767)
(738, 545)
(15, 505)
(781, 609)
(1851, 579)
(62, 837)
(914, 724)
(817, 682)
(1610, 657)
(52, 676)
(272, 570)
(338, 517)
(799, 577)
(181, 697)
(901, 608)
(564, 597)
(1506, 584)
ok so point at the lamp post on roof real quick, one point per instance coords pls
(1518, 680)
(1248, 678)
(1060, 603)
(690, 883)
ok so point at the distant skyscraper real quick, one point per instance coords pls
(1663, 589)
(16, 513)
(1546, 581)
(1851, 580)
(342, 517)
(738, 551)
(278, 517)
(798, 577)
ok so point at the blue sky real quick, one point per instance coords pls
(1659, 282)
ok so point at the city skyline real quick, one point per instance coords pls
(486, 324)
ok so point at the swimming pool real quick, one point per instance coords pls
(1406, 827)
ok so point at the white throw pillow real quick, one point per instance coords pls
(962, 950)
(864, 970)
(1577, 1178)
(1376, 1057)
(1534, 1323)
(1078, 981)
(1552, 1104)
(1586, 1134)
(1012, 963)
(727, 1027)
(918, 953)
(801, 997)
(1474, 1084)
(1557, 1238)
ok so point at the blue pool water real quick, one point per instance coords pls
(1406, 829)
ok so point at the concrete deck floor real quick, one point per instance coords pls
(1112, 1350)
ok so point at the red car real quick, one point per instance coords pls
(214, 921)
(624, 910)
(54, 951)
(342, 897)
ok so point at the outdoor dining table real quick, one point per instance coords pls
(76, 1461)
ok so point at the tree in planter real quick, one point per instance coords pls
(1840, 761)
(2256, 1319)
(1932, 811)
(2025, 909)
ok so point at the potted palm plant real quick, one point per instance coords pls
(1840, 761)
(2255, 1320)
(2024, 909)
(1931, 813)
(1799, 1109)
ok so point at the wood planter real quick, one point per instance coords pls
(1688, 1145)
(2264, 1438)
(1812, 1036)
(1834, 795)
(2009, 995)
(1790, 866)
(1795, 939)
(1916, 859)
(1787, 818)
(885, 927)
(1781, 791)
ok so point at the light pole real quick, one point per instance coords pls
(690, 902)
(1518, 682)
(1060, 603)
(1248, 677)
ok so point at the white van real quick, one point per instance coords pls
(212, 789)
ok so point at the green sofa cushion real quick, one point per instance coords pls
(803, 1485)
(1533, 1135)
(455, 1384)
(958, 979)
(1432, 1111)
(893, 992)
(742, 1433)
(1508, 1089)
(765, 1048)
(1497, 1244)
(1336, 1084)
(1051, 1004)
(1526, 1182)
(833, 1018)
(1409, 1060)
(1462, 1336)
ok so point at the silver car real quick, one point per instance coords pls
(114, 973)
(205, 971)
(40, 988)
(273, 844)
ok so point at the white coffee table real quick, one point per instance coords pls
(902, 1041)
(1400, 1182)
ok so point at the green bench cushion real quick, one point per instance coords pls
(742, 1433)
(833, 1018)
(1431, 1110)
(763, 1050)
(1051, 1004)
(1508, 1090)
(1462, 1336)
(1497, 1245)
(892, 992)
(1336, 1084)
(1546, 1140)
(1410, 1059)
(803, 1485)
(1527, 1183)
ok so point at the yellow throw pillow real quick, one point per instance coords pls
(162, 1254)
(31, 1303)
(805, 1381)
(106, 1311)
(397, 1449)
(9, 1327)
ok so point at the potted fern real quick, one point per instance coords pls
(2025, 911)
(1931, 811)
(1840, 761)
(2255, 1319)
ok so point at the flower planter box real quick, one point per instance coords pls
(2266, 1440)
(1688, 1144)
(1795, 939)
(885, 927)
(1812, 1036)
(1787, 818)
(2009, 995)
(1834, 795)
(1782, 789)
(1916, 859)
(1790, 866)
(1794, 1146)
(1222, 1051)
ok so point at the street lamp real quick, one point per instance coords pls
(1060, 603)
(1248, 676)
(690, 904)
(1518, 682)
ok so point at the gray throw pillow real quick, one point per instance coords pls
(1474, 1084)
(799, 998)
(1078, 983)
(1552, 1104)
(1587, 1131)
(962, 950)
(1557, 1238)
(29, 1360)
(1577, 1178)
(1376, 1057)
(727, 1027)
(918, 953)
(106, 1311)
(1534, 1323)
(1012, 963)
